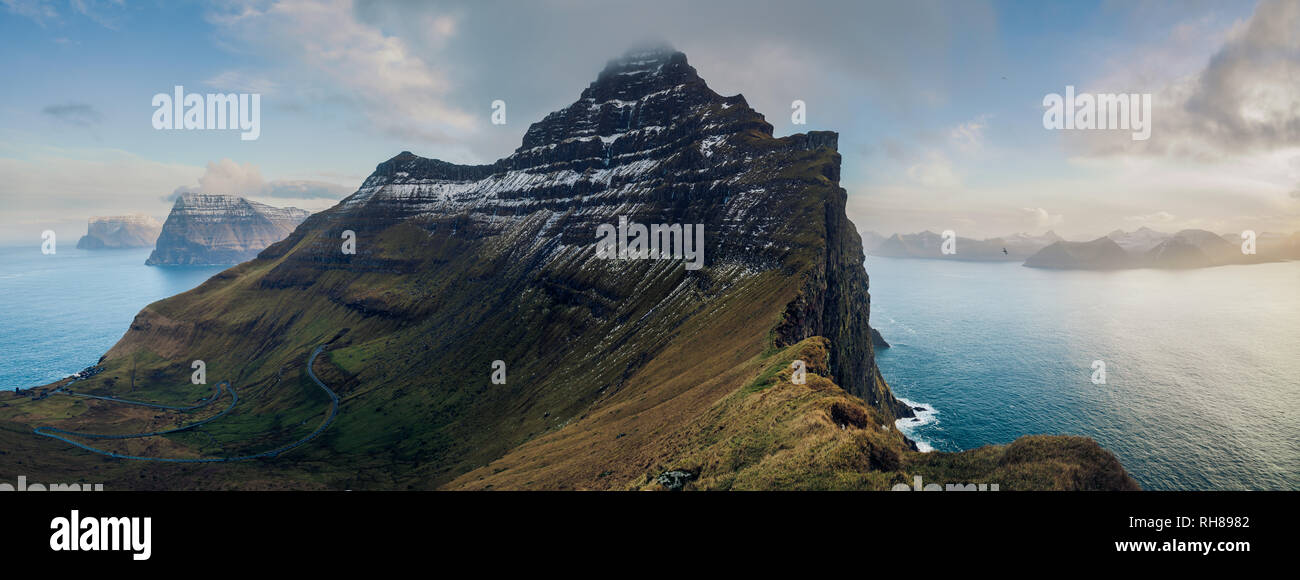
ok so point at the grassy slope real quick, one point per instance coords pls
(617, 373)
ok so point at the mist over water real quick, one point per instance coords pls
(1203, 372)
(61, 312)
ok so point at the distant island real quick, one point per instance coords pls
(1147, 248)
(1141, 248)
(212, 229)
(929, 245)
(120, 232)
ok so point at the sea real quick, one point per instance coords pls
(1201, 385)
(60, 312)
(1202, 367)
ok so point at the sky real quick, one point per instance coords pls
(939, 105)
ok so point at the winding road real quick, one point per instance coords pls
(62, 435)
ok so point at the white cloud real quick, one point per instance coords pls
(1041, 218)
(1160, 217)
(106, 13)
(245, 179)
(969, 136)
(934, 171)
(320, 51)
(40, 11)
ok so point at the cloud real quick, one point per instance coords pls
(80, 114)
(1160, 217)
(969, 136)
(1240, 102)
(231, 178)
(102, 12)
(42, 186)
(40, 11)
(307, 189)
(241, 81)
(934, 171)
(1246, 97)
(932, 165)
(322, 52)
(1041, 218)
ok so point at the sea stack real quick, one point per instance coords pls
(120, 232)
(213, 229)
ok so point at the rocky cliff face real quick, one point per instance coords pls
(650, 142)
(613, 372)
(114, 232)
(220, 229)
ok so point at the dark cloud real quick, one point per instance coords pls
(80, 114)
(1246, 95)
(839, 57)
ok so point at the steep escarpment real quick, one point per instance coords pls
(220, 229)
(119, 232)
(477, 339)
(834, 303)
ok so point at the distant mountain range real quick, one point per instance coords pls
(929, 245)
(1141, 248)
(206, 229)
(1147, 248)
(120, 232)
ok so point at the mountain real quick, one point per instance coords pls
(1026, 244)
(1146, 248)
(1192, 249)
(205, 228)
(1138, 241)
(477, 339)
(929, 245)
(1279, 246)
(116, 232)
(1269, 246)
(871, 241)
(1100, 254)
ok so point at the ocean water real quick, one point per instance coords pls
(1203, 366)
(59, 313)
(1202, 388)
